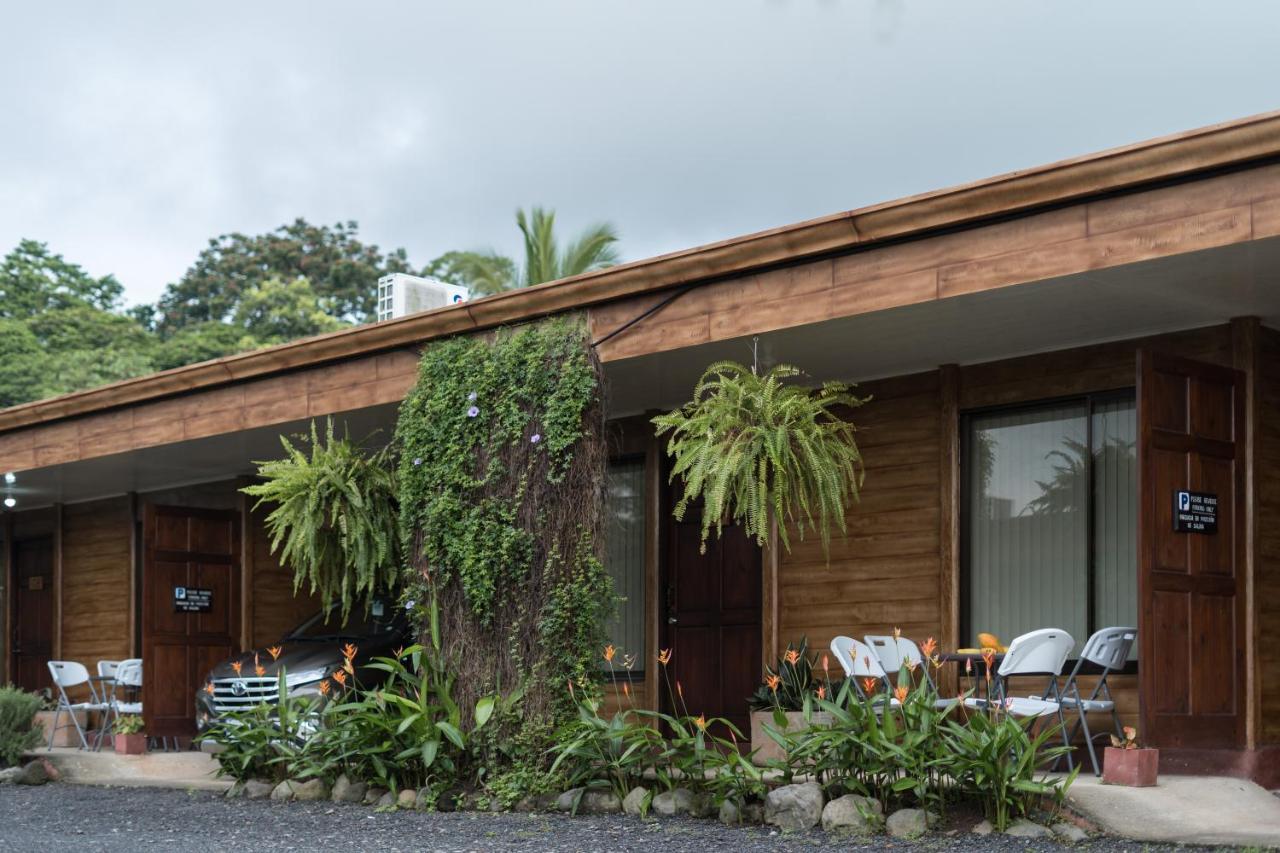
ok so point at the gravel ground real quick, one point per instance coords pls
(83, 818)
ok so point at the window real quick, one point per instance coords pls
(624, 557)
(1051, 516)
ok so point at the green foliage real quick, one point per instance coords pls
(128, 724)
(18, 729)
(502, 468)
(278, 311)
(342, 271)
(796, 680)
(34, 280)
(201, 342)
(333, 517)
(752, 447)
(487, 272)
(268, 741)
(613, 753)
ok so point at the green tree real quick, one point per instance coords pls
(277, 311)
(201, 342)
(34, 279)
(487, 272)
(20, 364)
(342, 270)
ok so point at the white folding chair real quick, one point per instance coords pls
(66, 673)
(858, 662)
(896, 652)
(107, 668)
(127, 676)
(1108, 649)
(1036, 653)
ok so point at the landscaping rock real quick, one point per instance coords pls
(373, 795)
(794, 808)
(731, 815)
(282, 792)
(33, 773)
(537, 803)
(599, 802)
(256, 789)
(235, 791)
(10, 775)
(387, 801)
(407, 799)
(1069, 832)
(310, 790)
(907, 823)
(52, 773)
(669, 803)
(346, 791)
(422, 802)
(1023, 828)
(984, 828)
(569, 800)
(634, 803)
(852, 814)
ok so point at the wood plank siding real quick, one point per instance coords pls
(274, 608)
(314, 392)
(96, 574)
(1095, 235)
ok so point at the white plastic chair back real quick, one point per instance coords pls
(68, 673)
(1109, 647)
(856, 658)
(107, 668)
(129, 673)
(1042, 652)
(894, 652)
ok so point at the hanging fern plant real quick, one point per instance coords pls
(750, 446)
(334, 518)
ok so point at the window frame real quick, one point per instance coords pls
(1090, 400)
(620, 673)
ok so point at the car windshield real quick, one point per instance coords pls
(379, 620)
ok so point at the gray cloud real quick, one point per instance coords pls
(132, 135)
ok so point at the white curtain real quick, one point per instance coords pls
(1115, 515)
(624, 557)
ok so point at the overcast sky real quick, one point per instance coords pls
(132, 133)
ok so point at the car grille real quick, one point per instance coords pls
(253, 691)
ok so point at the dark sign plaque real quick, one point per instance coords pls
(190, 599)
(1195, 512)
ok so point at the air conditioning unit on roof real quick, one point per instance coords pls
(400, 294)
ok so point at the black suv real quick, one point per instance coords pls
(308, 654)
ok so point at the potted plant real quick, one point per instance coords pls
(780, 701)
(1126, 763)
(127, 735)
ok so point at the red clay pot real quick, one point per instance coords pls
(134, 744)
(1133, 767)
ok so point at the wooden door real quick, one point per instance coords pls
(713, 620)
(1190, 583)
(32, 636)
(187, 552)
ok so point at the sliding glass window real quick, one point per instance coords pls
(624, 557)
(1050, 527)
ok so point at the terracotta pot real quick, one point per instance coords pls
(66, 734)
(1136, 768)
(767, 749)
(134, 744)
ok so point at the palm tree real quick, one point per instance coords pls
(487, 272)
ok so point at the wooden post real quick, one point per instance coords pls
(769, 560)
(949, 511)
(246, 633)
(1245, 343)
(135, 579)
(653, 520)
(57, 581)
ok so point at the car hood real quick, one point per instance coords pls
(301, 655)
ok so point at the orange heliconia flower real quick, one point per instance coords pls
(626, 689)
(349, 650)
(341, 678)
(701, 722)
(826, 662)
(792, 656)
(324, 687)
(930, 646)
(901, 694)
(259, 670)
(773, 681)
(664, 657)
(679, 691)
(208, 688)
(275, 651)
(989, 658)
(866, 661)
(913, 665)
(399, 653)
(869, 685)
(235, 665)
(609, 652)
(822, 692)
(346, 664)
(571, 696)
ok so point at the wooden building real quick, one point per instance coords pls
(1052, 356)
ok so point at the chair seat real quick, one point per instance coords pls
(86, 706)
(128, 707)
(1018, 707)
(1089, 705)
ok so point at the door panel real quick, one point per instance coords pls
(713, 619)
(1191, 437)
(32, 633)
(192, 548)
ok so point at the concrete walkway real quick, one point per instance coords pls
(184, 770)
(1186, 809)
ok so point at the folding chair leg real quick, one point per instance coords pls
(1088, 742)
(1062, 724)
(84, 743)
(53, 729)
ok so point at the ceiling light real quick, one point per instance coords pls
(11, 478)
(10, 502)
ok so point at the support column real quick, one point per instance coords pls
(1245, 332)
(949, 510)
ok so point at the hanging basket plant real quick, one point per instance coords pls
(752, 446)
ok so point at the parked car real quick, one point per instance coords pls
(308, 654)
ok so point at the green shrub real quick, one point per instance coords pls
(18, 730)
(268, 741)
(127, 724)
